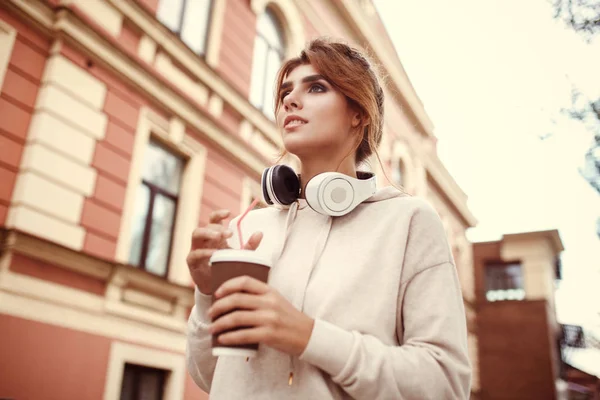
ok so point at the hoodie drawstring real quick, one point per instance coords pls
(319, 249)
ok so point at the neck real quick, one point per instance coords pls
(311, 168)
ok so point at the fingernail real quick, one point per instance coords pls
(228, 233)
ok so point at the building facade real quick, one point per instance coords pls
(518, 334)
(123, 125)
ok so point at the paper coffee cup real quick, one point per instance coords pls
(225, 265)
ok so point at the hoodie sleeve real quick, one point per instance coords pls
(431, 361)
(200, 361)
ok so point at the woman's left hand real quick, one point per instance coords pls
(266, 316)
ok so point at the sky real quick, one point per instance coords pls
(493, 76)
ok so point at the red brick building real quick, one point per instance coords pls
(123, 124)
(518, 334)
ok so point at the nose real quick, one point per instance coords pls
(292, 101)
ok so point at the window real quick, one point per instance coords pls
(142, 383)
(155, 209)
(133, 367)
(269, 50)
(398, 173)
(251, 190)
(188, 19)
(260, 204)
(573, 336)
(504, 282)
(7, 40)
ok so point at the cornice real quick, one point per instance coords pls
(112, 273)
(450, 189)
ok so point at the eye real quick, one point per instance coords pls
(316, 88)
(283, 94)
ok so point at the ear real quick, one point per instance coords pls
(356, 119)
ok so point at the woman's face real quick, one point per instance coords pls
(314, 117)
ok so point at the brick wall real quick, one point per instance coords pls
(515, 351)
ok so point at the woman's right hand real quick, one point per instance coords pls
(205, 241)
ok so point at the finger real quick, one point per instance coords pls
(236, 320)
(198, 256)
(205, 233)
(254, 241)
(210, 236)
(238, 300)
(216, 217)
(242, 284)
(244, 336)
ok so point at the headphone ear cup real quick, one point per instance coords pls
(280, 185)
(336, 194)
(263, 184)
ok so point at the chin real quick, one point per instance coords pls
(300, 146)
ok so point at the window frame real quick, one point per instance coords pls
(181, 18)
(251, 190)
(290, 18)
(402, 159)
(504, 265)
(279, 27)
(171, 133)
(155, 190)
(123, 353)
(137, 369)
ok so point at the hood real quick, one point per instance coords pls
(385, 193)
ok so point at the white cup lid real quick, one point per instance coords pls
(228, 255)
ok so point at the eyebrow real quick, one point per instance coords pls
(306, 79)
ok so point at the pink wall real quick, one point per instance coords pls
(41, 361)
(17, 99)
(237, 45)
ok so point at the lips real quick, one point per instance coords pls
(293, 121)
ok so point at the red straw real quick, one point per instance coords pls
(239, 223)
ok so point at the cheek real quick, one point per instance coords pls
(279, 119)
(334, 113)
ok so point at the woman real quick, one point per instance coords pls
(366, 305)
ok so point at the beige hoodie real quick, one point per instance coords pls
(382, 287)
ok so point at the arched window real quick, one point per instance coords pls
(398, 172)
(269, 51)
(188, 19)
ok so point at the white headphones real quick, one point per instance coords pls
(329, 193)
